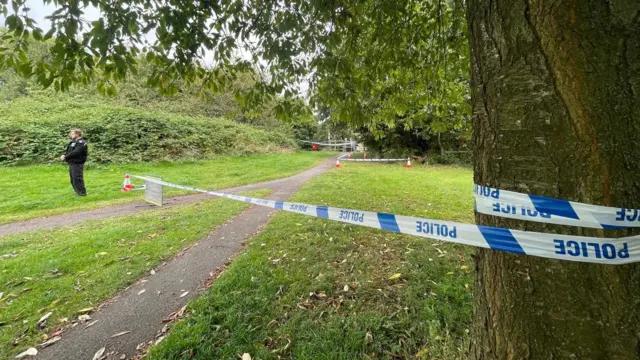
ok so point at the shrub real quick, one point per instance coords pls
(454, 158)
(37, 132)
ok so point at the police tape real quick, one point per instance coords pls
(553, 246)
(374, 160)
(514, 205)
(328, 144)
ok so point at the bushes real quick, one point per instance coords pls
(454, 158)
(37, 131)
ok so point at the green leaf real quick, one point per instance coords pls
(37, 34)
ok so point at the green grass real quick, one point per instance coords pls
(70, 268)
(43, 190)
(308, 288)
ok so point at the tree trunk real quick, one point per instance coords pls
(556, 112)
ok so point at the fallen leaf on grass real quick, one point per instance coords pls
(395, 276)
(158, 340)
(450, 273)
(28, 352)
(141, 291)
(368, 337)
(98, 354)
(44, 319)
(184, 294)
(85, 310)
(102, 253)
(346, 288)
(120, 334)
(319, 295)
(153, 272)
(51, 341)
(464, 268)
(422, 353)
(174, 315)
(246, 356)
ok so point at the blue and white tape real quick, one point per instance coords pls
(328, 144)
(374, 160)
(514, 205)
(554, 246)
(344, 158)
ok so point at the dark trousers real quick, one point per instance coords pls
(76, 174)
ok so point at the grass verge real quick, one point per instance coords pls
(70, 268)
(308, 288)
(42, 190)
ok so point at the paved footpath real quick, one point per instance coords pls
(142, 315)
(76, 217)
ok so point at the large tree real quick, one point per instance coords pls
(556, 112)
(555, 91)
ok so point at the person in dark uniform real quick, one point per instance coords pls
(76, 155)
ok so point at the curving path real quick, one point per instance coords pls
(142, 315)
(76, 217)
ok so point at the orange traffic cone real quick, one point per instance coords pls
(127, 183)
(408, 163)
(338, 163)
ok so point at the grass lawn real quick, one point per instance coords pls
(42, 190)
(67, 269)
(307, 288)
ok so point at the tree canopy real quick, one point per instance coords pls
(375, 63)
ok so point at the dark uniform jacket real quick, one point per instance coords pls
(77, 151)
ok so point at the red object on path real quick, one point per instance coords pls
(338, 163)
(408, 163)
(127, 183)
(315, 147)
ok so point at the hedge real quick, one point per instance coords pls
(33, 132)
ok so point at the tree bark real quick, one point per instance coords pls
(556, 112)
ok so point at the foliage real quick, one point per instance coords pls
(36, 131)
(285, 296)
(400, 64)
(43, 190)
(66, 269)
(383, 58)
(418, 140)
(454, 158)
(191, 98)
